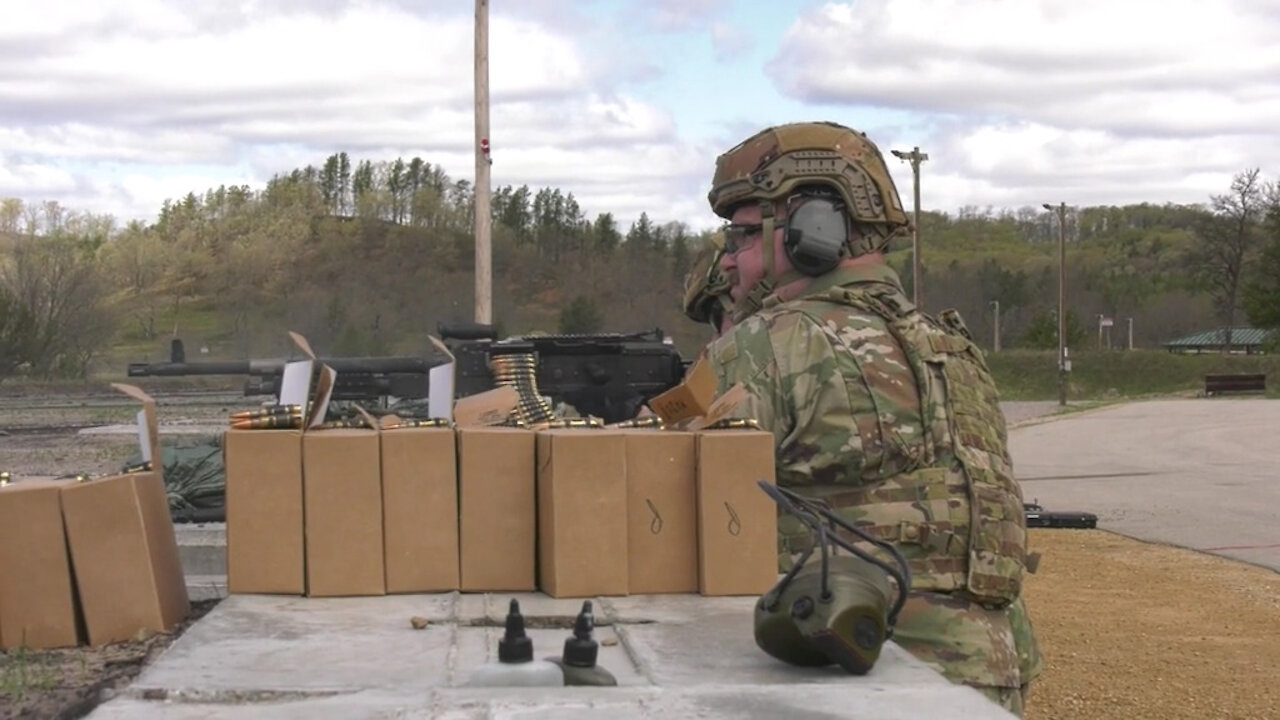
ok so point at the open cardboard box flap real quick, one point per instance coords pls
(693, 404)
(440, 384)
(148, 426)
(295, 384)
(491, 407)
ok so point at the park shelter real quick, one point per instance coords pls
(1246, 340)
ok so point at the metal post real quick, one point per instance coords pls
(484, 255)
(1130, 333)
(996, 343)
(915, 157)
(1062, 300)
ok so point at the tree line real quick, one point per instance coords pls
(368, 258)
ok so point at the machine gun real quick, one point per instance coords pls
(1037, 516)
(607, 375)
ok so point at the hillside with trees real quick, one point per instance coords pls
(367, 258)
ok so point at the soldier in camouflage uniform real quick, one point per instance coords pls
(706, 287)
(887, 414)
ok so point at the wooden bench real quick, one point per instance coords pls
(1235, 383)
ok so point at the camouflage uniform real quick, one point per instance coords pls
(861, 392)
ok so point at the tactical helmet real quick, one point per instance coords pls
(706, 287)
(774, 162)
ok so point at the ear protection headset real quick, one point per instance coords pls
(840, 611)
(816, 236)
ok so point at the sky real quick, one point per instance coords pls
(114, 106)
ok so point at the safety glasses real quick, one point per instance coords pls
(739, 235)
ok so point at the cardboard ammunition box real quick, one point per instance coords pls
(266, 547)
(264, 511)
(737, 521)
(420, 509)
(123, 550)
(342, 511)
(582, 512)
(662, 518)
(496, 511)
(37, 599)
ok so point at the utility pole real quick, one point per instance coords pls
(915, 157)
(1062, 300)
(484, 254)
(996, 344)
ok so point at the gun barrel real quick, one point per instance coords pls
(467, 331)
(380, 365)
(172, 369)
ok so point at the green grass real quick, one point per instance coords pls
(197, 322)
(1103, 375)
(22, 672)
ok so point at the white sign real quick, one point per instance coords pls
(295, 383)
(440, 383)
(1106, 322)
(144, 436)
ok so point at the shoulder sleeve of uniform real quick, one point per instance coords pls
(821, 444)
(787, 365)
(746, 356)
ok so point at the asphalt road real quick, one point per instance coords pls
(1197, 473)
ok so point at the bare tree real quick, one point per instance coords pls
(10, 213)
(56, 279)
(1227, 238)
(16, 333)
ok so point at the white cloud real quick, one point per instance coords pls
(114, 107)
(1145, 65)
(1026, 102)
(39, 178)
(185, 99)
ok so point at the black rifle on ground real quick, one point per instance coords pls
(1038, 517)
(607, 375)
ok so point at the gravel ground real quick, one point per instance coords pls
(1143, 631)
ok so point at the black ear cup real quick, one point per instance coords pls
(817, 234)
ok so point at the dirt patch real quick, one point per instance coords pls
(1137, 630)
(70, 682)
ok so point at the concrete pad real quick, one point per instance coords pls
(675, 656)
(266, 643)
(709, 703)
(1196, 473)
(206, 587)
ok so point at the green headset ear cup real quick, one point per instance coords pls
(852, 638)
(850, 628)
(776, 633)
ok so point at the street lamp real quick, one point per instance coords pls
(915, 157)
(1062, 299)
